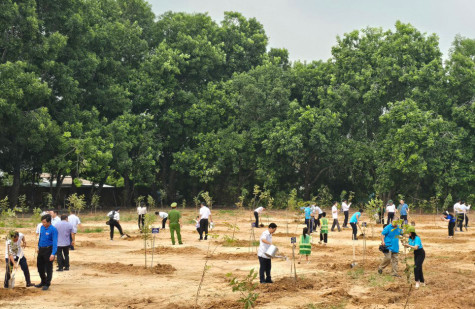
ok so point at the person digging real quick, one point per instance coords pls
(14, 255)
(390, 239)
(174, 223)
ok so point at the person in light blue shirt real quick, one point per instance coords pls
(419, 255)
(308, 218)
(65, 234)
(404, 211)
(47, 247)
(354, 221)
(390, 239)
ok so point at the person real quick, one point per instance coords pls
(257, 212)
(335, 216)
(317, 212)
(65, 234)
(308, 217)
(75, 222)
(390, 239)
(465, 209)
(265, 263)
(141, 211)
(197, 224)
(415, 243)
(174, 223)
(448, 217)
(47, 247)
(114, 221)
(390, 209)
(346, 210)
(404, 211)
(164, 217)
(459, 213)
(54, 217)
(324, 229)
(353, 222)
(14, 246)
(305, 246)
(205, 218)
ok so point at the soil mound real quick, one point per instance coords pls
(10, 294)
(119, 268)
(288, 284)
(234, 256)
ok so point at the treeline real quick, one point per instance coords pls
(107, 91)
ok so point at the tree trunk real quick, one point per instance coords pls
(126, 196)
(15, 191)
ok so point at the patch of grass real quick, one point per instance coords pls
(356, 273)
(379, 280)
(326, 306)
(93, 230)
(95, 218)
(226, 211)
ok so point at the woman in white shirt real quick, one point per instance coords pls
(390, 209)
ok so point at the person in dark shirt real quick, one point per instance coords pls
(47, 247)
(451, 220)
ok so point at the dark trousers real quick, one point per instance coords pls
(9, 268)
(141, 221)
(419, 256)
(317, 220)
(204, 228)
(451, 228)
(390, 217)
(466, 220)
(335, 223)
(404, 217)
(114, 223)
(164, 220)
(44, 265)
(265, 266)
(63, 257)
(345, 222)
(308, 223)
(460, 218)
(324, 237)
(256, 215)
(355, 230)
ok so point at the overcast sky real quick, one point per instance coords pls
(308, 29)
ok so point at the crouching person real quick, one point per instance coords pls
(390, 239)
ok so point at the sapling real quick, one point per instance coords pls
(95, 202)
(76, 202)
(205, 267)
(147, 232)
(151, 203)
(246, 287)
(208, 199)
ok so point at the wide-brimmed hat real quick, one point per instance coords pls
(173, 205)
(411, 229)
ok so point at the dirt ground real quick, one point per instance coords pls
(111, 274)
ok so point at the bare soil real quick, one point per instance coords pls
(111, 274)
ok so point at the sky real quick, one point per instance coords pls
(308, 29)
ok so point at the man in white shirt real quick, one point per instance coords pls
(317, 215)
(54, 217)
(14, 252)
(74, 220)
(390, 209)
(265, 265)
(465, 210)
(459, 214)
(346, 210)
(335, 216)
(114, 221)
(141, 211)
(205, 218)
(164, 217)
(257, 212)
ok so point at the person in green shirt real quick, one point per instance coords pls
(324, 229)
(174, 223)
(305, 246)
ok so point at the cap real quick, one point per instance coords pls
(173, 205)
(390, 201)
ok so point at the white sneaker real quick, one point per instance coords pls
(417, 284)
(123, 236)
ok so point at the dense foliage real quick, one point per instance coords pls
(107, 91)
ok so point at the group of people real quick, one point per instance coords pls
(56, 237)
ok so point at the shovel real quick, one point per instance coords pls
(353, 264)
(11, 282)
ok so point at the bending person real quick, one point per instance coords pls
(419, 255)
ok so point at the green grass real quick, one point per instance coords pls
(225, 211)
(326, 306)
(376, 280)
(93, 230)
(356, 273)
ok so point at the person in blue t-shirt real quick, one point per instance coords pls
(308, 218)
(47, 247)
(419, 255)
(451, 220)
(404, 211)
(390, 239)
(353, 222)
